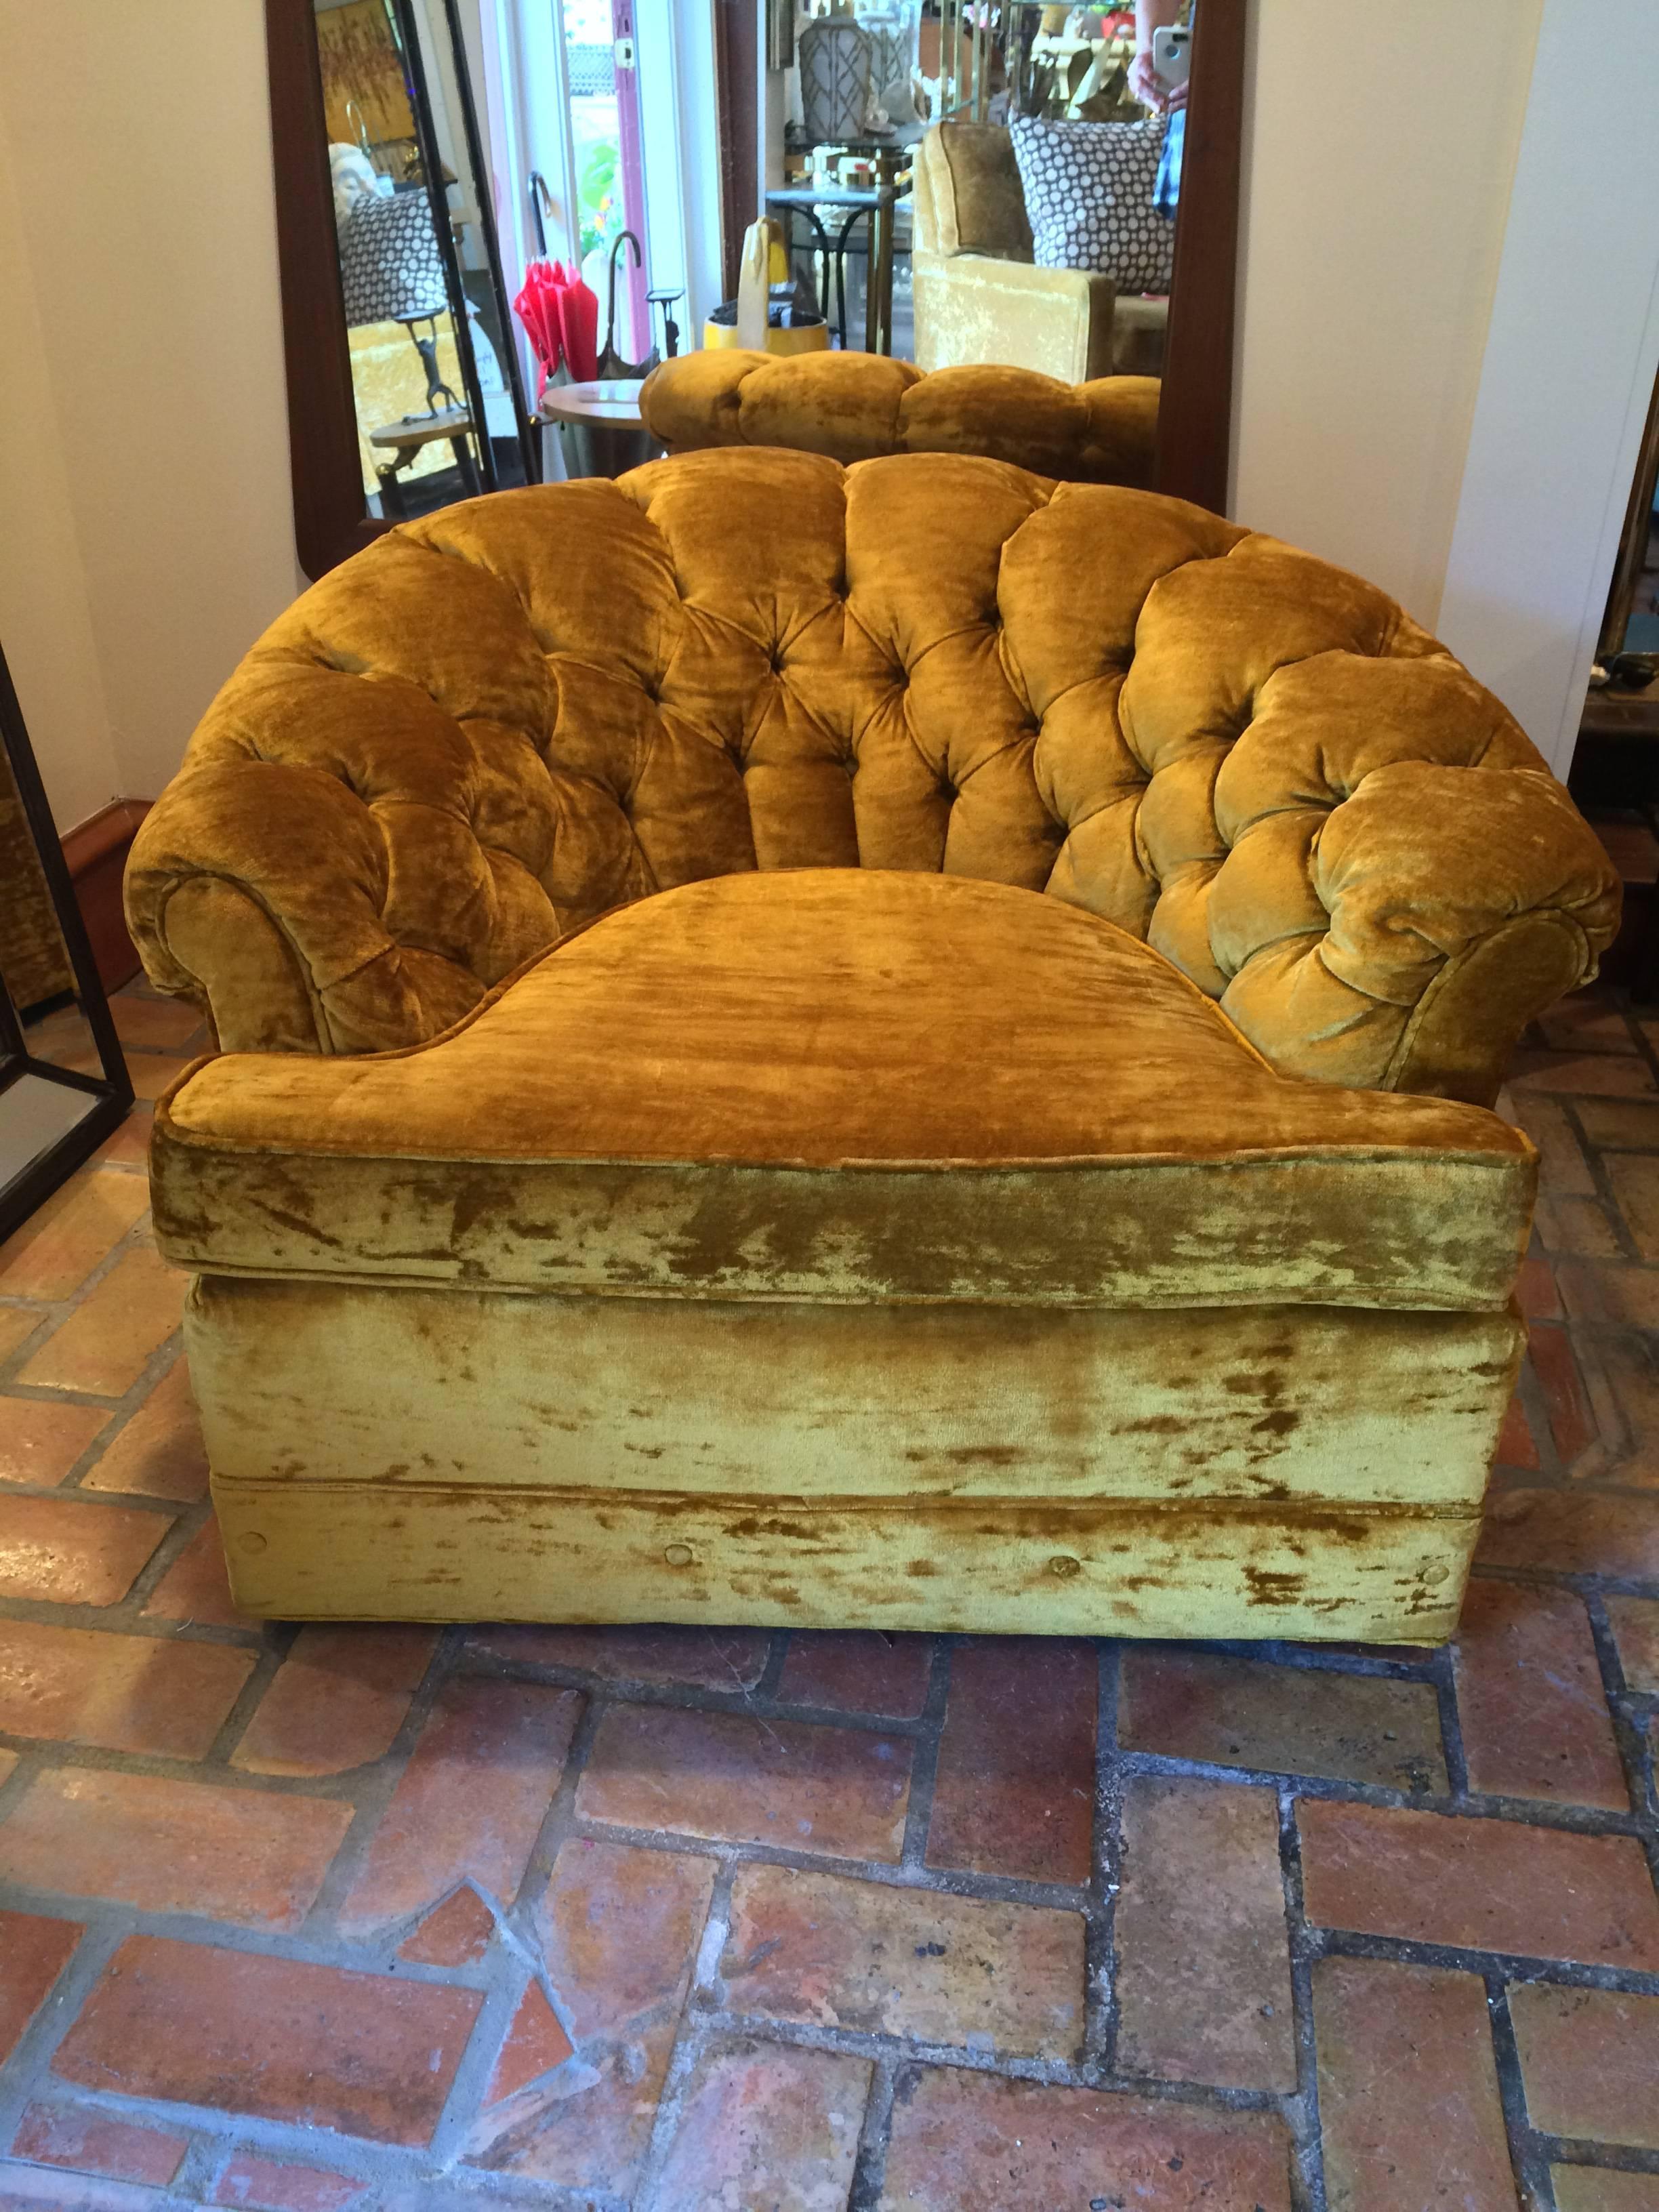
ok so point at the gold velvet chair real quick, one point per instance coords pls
(855, 406)
(903, 1047)
(980, 298)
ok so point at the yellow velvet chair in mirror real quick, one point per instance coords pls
(855, 406)
(979, 295)
(901, 1047)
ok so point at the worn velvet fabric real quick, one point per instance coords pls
(839, 1084)
(978, 296)
(500, 722)
(855, 406)
(394, 1453)
(768, 1012)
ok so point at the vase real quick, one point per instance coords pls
(834, 52)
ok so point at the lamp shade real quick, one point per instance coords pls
(391, 270)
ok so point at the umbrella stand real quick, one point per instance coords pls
(611, 364)
(602, 449)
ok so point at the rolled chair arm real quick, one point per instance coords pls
(969, 308)
(1461, 901)
(361, 841)
(1349, 842)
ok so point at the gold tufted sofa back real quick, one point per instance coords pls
(502, 720)
(853, 406)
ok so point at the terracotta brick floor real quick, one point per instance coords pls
(399, 1918)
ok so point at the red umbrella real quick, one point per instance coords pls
(581, 329)
(540, 307)
(561, 316)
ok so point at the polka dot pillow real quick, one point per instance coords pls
(1089, 198)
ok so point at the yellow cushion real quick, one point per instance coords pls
(844, 1084)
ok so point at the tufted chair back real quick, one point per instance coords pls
(853, 406)
(501, 721)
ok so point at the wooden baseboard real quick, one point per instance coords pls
(96, 852)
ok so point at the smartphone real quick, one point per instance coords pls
(1172, 54)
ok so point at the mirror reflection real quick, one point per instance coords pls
(1021, 138)
(436, 418)
(947, 182)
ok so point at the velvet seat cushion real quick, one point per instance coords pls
(843, 1083)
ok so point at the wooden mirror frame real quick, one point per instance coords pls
(332, 520)
(330, 517)
(1194, 414)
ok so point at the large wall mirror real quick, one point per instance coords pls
(64, 1083)
(931, 166)
(405, 382)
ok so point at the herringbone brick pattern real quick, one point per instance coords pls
(391, 1918)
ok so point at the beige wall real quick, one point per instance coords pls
(45, 624)
(139, 160)
(1380, 141)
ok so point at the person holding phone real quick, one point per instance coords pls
(1162, 97)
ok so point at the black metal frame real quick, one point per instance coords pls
(874, 204)
(111, 1092)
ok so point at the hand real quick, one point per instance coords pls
(1146, 86)
(1175, 97)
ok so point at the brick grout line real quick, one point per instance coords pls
(1513, 1966)
(219, 2134)
(1100, 2012)
(1009, 2066)
(28, 2073)
(1600, 2157)
(693, 1697)
(1584, 1585)
(891, 1873)
(777, 1654)
(1615, 1439)
(875, 2138)
(515, 1942)
(1551, 1472)
(204, 2163)
(123, 1619)
(370, 1793)
(1306, 1658)
(1302, 2109)
(138, 1237)
(1434, 1669)
(1630, 1739)
(1530, 2168)
(924, 1760)
(1569, 1103)
(1520, 1812)
(692, 2035)
(1443, 1675)
(267, 1664)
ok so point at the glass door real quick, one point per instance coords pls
(602, 77)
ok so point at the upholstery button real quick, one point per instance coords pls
(677, 1555)
(253, 1541)
(1433, 1576)
(1065, 1565)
